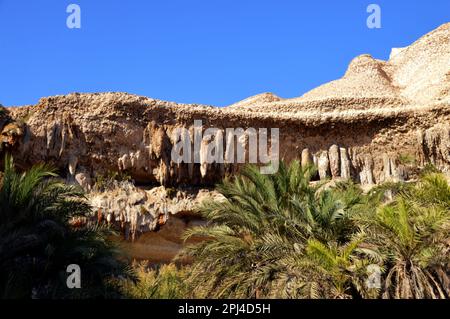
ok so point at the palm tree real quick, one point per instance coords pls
(412, 234)
(38, 242)
(282, 236)
(432, 189)
(261, 224)
(165, 282)
(340, 269)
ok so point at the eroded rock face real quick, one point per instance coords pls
(345, 163)
(366, 173)
(374, 125)
(11, 135)
(434, 144)
(359, 127)
(306, 158)
(323, 165)
(87, 135)
(135, 210)
(335, 161)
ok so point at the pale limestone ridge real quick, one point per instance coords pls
(357, 126)
(422, 70)
(257, 99)
(415, 75)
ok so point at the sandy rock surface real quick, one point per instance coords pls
(360, 126)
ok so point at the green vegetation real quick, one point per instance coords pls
(273, 236)
(38, 242)
(279, 236)
(166, 282)
(109, 180)
(407, 159)
(171, 192)
(24, 119)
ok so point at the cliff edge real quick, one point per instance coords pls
(378, 122)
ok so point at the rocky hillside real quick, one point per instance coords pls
(381, 121)
(378, 122)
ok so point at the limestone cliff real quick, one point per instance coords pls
(378, 122)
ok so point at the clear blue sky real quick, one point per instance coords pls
(201, 51)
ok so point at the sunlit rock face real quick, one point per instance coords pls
(380, 122)
(11, 135)
(361, 126)
(135, 211)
